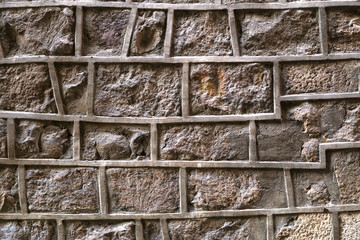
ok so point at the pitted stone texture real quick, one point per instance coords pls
(43, 139)
(343, 29)
(231, 88)
(149, 33)
(175, 1)
(218, 228)
(138, 90)
(207, 142)
(143, 189)
(219, 189)
(315, 226)
(278, 32)
(349, 225)
(73, 82)
(115, 142)
(36, 229)
(247, 1)
(26, 87)
(37, 31)
(88, 230)
(320, 77)
(62, 190)
(9, 196)
(3, 138)
(104, 31)
(152, 230)
(201, 33)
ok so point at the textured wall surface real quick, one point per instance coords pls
(179, 119)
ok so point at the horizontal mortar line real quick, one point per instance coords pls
(319, 96)
(339, 145)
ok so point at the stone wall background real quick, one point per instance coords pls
(179, 120)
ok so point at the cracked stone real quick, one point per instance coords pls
(9, 196)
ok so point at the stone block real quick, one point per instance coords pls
(152, 230)
(3, 138)
(9, 193)
(349, 225)
(29, 229)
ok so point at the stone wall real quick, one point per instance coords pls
(179, 119)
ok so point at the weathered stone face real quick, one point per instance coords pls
(26, 87)
(62, 190)
(39, 229)
(9, 196)
(349, 225)
(104, 31)
(245, 1)
(3, 138)
(191, 142)
(231, 88)
(143, 190)
(27, 31)
(175, 1)
(152, 230)
(138, 90)
(201, 33)
(278, 32)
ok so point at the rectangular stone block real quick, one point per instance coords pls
(278, 32)
(206, 142)
(84, 230)
(143, 189)
(138, 90)
(201, 33)
(43, 139)
(9, 194)
(62, 190)
(104, 30)
(174, 1)
(226, 189)
(349, 225)
(115, 142)
(29, 229)
(3, 138)
(152, 230)
(38, 31)
(218, 228)
(231, 88)
(320, 77)
(26, 87)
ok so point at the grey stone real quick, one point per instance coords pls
(3, 138)
(152, 230)
(9, 196)
(35, 229)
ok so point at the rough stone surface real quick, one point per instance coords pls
(344, 29)
(203, 33)
(349, 225)
(320, 77)
(62, 190)
(231, 88)
(3, 138)
(104, 31)
(9, 196)
(143, 189)
(218, 189)
(86, 230)
(247, 1)
(152, 230)
(27, 32)
(278, 32)
(218, 228)
(315, 226)
(175, 1)
(73, 82)
(138, 90)
(39, 230)
(103, 142)
(149, 33)
(191, 142)
(26, 87)
(42, 139)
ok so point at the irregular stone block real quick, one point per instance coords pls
(73, 83)
(9, 196)
(152, 230)
(3, 138)
(149, 33)
(109, 141)
(143, 189)
(349, 225)
(231, 88)
(201, 33)
(104, 31)
(304, 226)
(62, 190)
(320, 77)
(191, 142)
(37, 31)
(219, 189)
(35, 229)
(43, 139)
(138, 90)
(278, 32)
(91, 230)
(343, 29)
(246, 1)
(26, 87)
(218, 228)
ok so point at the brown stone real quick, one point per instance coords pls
(152, 230)
(349, 225)
(9, 196)
(231, 88)
(35, 229)
(143, 189)
(3, 138)
(175, 1)
(62, 190)
(138, 90)
(247, 1)
(317, 193)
